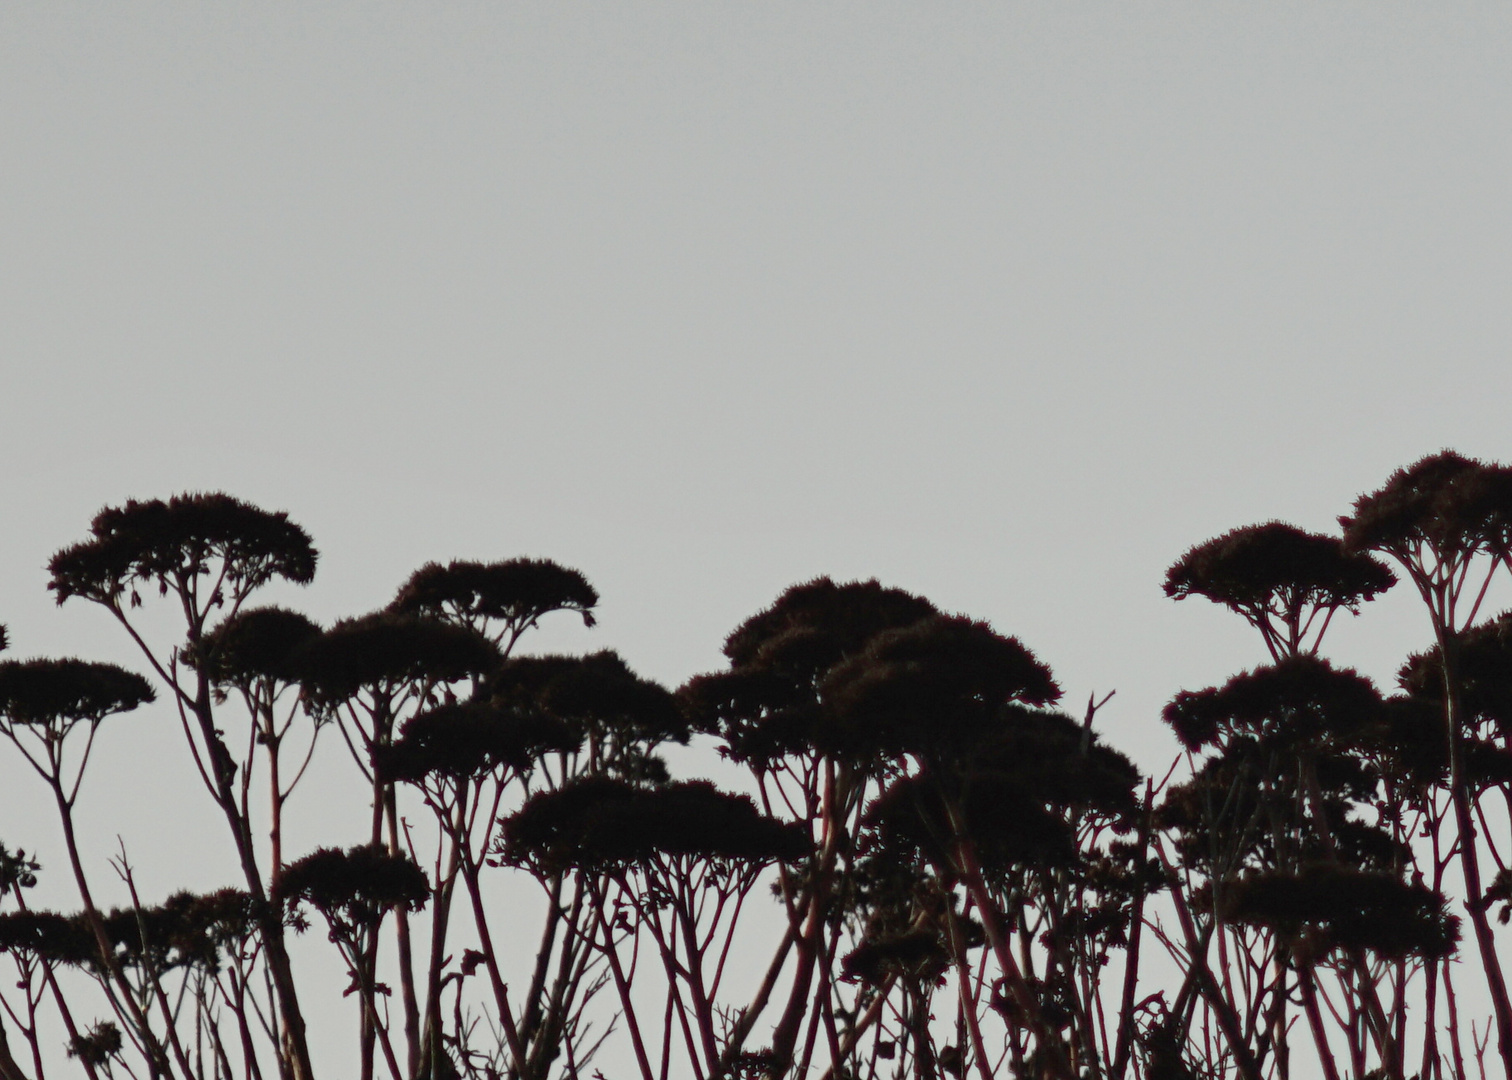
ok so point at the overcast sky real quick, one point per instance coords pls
(1006, 304)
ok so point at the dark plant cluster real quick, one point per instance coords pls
(916, 863)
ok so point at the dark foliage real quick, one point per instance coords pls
(257, 643)
(1484, 672)
(354, 888)
(766, 706)
(939, 685)
(518, 591)
(919, 954)
(383, 651)
(1301, 700)
(760, 715)
(938, 800)
(96, 1046)
(1325, 907)
(812, 626)
(46, 935)
(1016, 787)
(1164, 1057)
(596, 694)
(1060, 762)
(471, 739)
(17, 871)
(1409, 741)
(755, 1065)
(176, 541)
(1455, 505)
(1276, 566)
(186, 930)
(60, 693)
(604, 824)
(1011, 828)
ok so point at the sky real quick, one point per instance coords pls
(1006, 304)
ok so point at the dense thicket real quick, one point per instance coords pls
(924, 869)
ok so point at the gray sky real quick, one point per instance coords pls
(1006, 304)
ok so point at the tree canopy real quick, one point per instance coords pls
(913, 860)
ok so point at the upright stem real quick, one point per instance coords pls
(1124, 1045)
(406, 950)
(491, 962)
(9, 1069)
(1469, 858)
(1315, 1021)
(157, 1057)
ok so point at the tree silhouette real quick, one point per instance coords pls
(205, 553)
(1447, 521)
(916, 864)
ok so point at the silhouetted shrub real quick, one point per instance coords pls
(936, 686)
(766, 706)
(1300, 700)
(1337, 907)
(596, 694)
(384, 650)
(471, 739)
(1276, 568)
(815, 625)
(1011, 828)
(60, 693)
(47, 935)
(256, 643)
(1452, 503)
(1484, 663)
(17, 871)
(356, 887)
(186, 930)
(604, 824)
(517, 591)
(96, 1046)
(156, 540)
(920, 954)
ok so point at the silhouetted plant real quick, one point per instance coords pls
(1485, 676)
(52, 697)
(606, 824)
(17, 871)
(258, 653)
(1281, 579)
(47, 935)
(768, 713)
(255, 645)
(501, 600)
(207, 553)
(354, 889)
(933, 690)
(683, 858)
(1325, 907)
(369, 675)
(1447, 521)
(386, 654)
(1298, 703)
(617, 722)
(765, 707)
(962, 875)
(466, 740)
(1295, 754)
(619, 718)
(173, 544)
(99, 1046)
